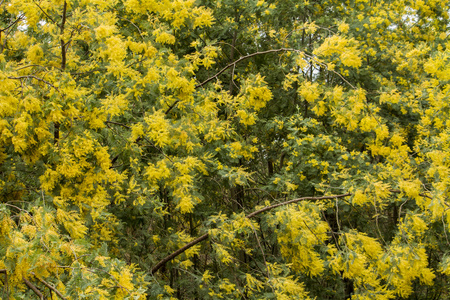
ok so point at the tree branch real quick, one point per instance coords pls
(178, 252)
(120, 124)
(172, 106)
(50, 286)
(241, 59)
(6, 284)
(206, 235)
(34, 77)
(231, 65)
(295, 201)
(34, 288)
(20, 17)
(44, 12)
(63, 64)
(63, 44)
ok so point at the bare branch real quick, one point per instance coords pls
(28, 66)
(120, 124)
(139, 30)
(172, 106)
(40, 8)
(236, 49)
(178, 252)
(295, 201)
(232, 65)
(63, 44)
(18, 208)
(206, 235)
(241, 59)
(12, 23)
(6, 284)
(261, 249)
(34, 288)
(34, 77)
(50, 287)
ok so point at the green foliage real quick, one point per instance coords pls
(182, 149)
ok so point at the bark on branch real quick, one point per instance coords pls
(50, 287)
(5, 295)
(241, 59)
(234, 64)
(63, 61)
(63, 44)
(13, 23)
(34, 288)
(34, 77)
(264, 209)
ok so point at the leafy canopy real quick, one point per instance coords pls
(182, 149)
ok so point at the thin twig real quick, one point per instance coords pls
(333, 234)
(312, 231)
(120, 124)
(139, 30)
(376, 221)
(337, 215)
(18, 208)
(172, 106)
(295, 201)
(400, 209)
(230, 46)
(241, 59)
(45, 13)
(261, 248)
(12, 24)
(28, 66)
(34, 77)
(421, 194)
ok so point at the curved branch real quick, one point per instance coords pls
(295, 201)
(241, 59)
(34, 77)
(233, 64)
(206, 235)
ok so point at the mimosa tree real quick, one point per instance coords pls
(182, 149)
